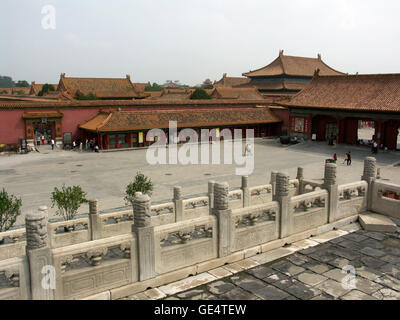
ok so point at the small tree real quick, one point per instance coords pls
(141, 184)
(68, 200)
(45, 89)
(10, 209)
(154, 87)
(199, 94)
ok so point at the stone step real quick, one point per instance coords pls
(376, 222)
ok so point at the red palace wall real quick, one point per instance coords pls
(12, 125)
(282, 114)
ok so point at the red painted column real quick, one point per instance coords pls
(338, 123)
(379, 132)
(101, 141)
(308, 127)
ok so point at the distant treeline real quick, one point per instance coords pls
(7, 82)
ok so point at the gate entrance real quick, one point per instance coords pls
(331, 131)
(44, 129)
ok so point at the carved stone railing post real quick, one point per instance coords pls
(273, 183)
(369, 177)
(178, 204)
(211, 184)
(94, 221)
(330, 184)
(41, 270)
(245, 191)
(300, 177)
(283, 197)
(224, 216)
(145, 236)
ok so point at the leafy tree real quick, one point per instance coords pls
(10, 209)
(154, 87)
(89, 96)
(45, 89)
(6, 82)
(68, 200)
(141, 184)
(199, 94)
(22, 83)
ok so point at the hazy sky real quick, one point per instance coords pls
(191, 40)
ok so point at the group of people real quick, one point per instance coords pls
(347, 158)
(40, 140)
(89, 144)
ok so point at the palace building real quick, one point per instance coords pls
(127, 129)
(286, 75)
(86, 118)
(337, 106)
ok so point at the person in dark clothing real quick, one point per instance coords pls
(348, 158)
(334, 158)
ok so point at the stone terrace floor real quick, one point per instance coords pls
(307, 270)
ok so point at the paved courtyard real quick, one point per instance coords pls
(105, 175)
(310, 269)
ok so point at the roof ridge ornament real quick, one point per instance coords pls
(280, 52)
(316, 72)
(319, 57)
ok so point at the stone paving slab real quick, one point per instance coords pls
(387, 294)
(271, 293)
(155, 294)
(325, 237)
(233, 268)
(377, 222)
(220, 272)
(187, 283)
(357, 295)
(310, 278)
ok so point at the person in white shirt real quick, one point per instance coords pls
(52, 144)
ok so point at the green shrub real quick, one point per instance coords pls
(68, 200)
(46, 88)
(89, 96)
(141, 184)
(199, 94)
(10, 209)
(154, 87)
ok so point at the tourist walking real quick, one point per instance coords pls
(73, 145)
(334, 158)
(348, 158)
(42, 140)
(52, 144)
(38, 141)
(80, 146)
(345, 158)
(374, 148)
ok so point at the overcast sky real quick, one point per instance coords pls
(191, 40)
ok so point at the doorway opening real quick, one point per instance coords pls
(43, 132)
(365, 132)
